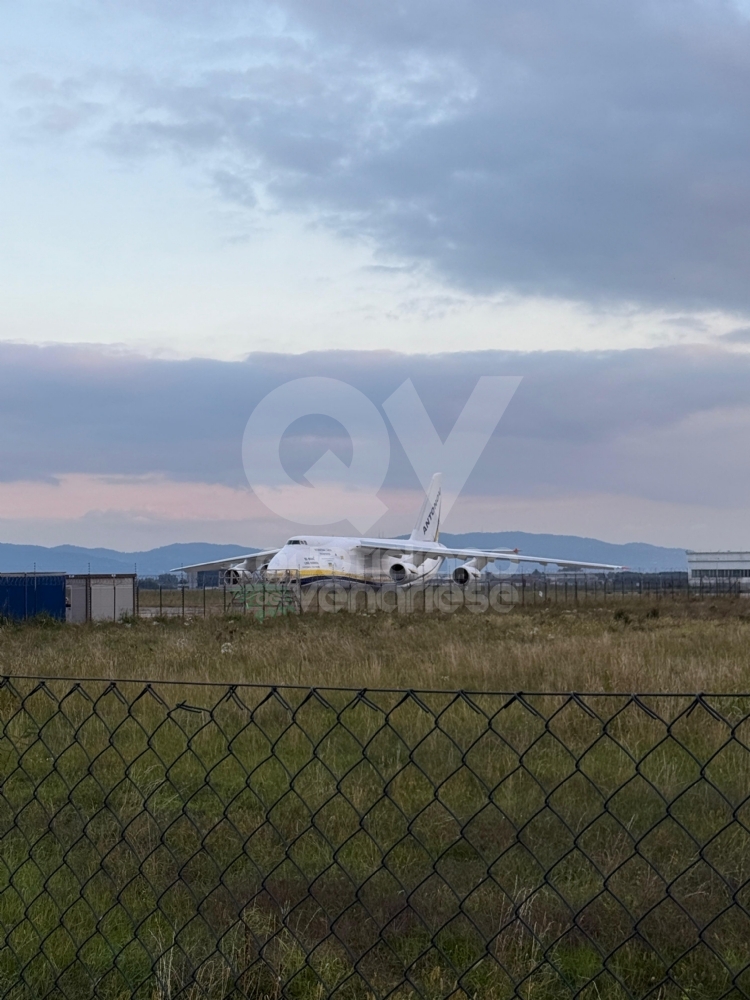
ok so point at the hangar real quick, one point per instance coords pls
(709, 567)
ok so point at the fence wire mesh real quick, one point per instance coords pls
(439, 595)
(178, 840)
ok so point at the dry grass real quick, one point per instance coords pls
(636, 646)
(194, 842)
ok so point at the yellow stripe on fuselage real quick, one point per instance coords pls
(304, 574)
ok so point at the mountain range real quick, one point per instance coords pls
(75, 559)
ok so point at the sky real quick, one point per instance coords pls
(201, 201)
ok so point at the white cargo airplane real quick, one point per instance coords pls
(314, 558)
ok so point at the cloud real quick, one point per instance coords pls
(145, 498)
(234, 188)
(739, 336)
(665, 424)
(144, 512)
(594, 151)
(691, 323)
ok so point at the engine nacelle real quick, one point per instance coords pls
(403, 572)
(462, 575)
(235, 576)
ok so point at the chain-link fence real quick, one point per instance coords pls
(442, 594)
(86, 598)
(180, 840)
(260, 600)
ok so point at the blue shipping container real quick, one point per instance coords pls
(26, 595)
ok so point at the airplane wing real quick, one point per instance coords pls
(432, 551)
(249, 562)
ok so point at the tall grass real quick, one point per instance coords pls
(182, 840)
(695, 646)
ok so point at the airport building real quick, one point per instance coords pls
(709, 567)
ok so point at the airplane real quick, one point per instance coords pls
(374, 561)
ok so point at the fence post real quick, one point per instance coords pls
(183, 600)
(161, 609)
(204, 599)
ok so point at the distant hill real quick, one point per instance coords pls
(637, 556)
(75, 559)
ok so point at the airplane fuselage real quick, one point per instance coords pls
(315, 558)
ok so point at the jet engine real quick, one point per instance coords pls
(403, 572)
(236, 575)
(462, 575)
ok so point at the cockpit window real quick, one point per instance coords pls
(296, 541)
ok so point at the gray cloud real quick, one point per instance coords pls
(235, 188)
(592, 150)
(739, 336)
(667, 424)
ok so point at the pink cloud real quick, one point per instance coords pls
(72, 496)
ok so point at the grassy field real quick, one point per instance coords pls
(190, 841)
(638, 645)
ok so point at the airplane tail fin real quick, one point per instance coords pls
(427, 528)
